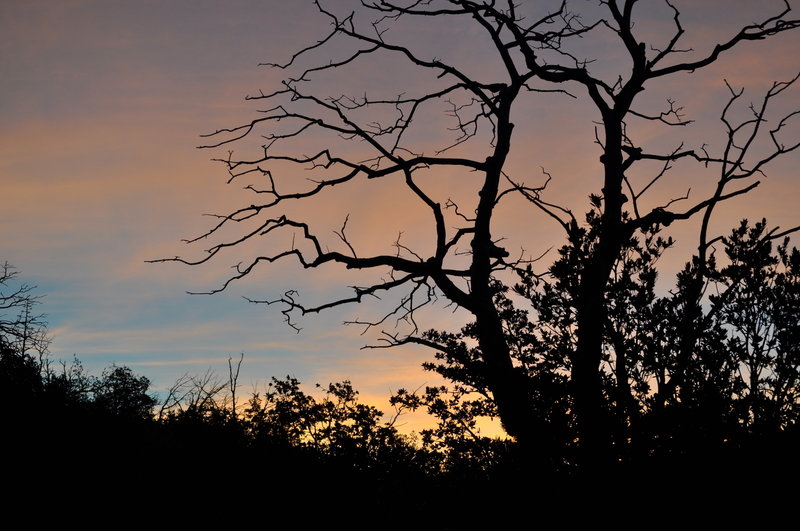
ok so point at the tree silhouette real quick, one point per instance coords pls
(122, 393)
(757, 302)
(23, 344)
(379, 137)
(22, 329)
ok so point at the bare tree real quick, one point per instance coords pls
(198, 394)
(22, 329)
(377, 137)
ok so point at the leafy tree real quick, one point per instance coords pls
(785, 315)
(123, 394)
(376, 137)
(757, 303)
(337, 426)
(456, 447)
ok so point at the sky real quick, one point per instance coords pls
(102, 104)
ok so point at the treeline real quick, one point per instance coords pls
(68, 410)
(107, 441)
(58, 409)
(701, 387)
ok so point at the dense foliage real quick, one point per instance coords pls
(703, 373)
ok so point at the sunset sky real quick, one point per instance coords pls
(101, 106)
